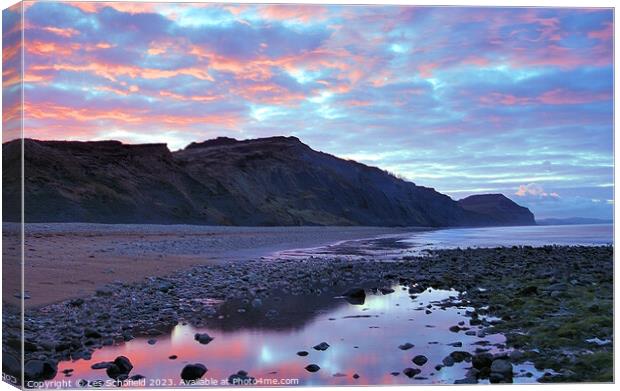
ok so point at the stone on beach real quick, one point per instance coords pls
(241, 378)
(355, 296)
(411, 372)
(101, 365)
(40, 370)
(312, 368)
(193, 372)
(120, 367)
(420, 360)
(460, 356)
(203, 338)
(406, 346)
(322, 346)
(501, 371)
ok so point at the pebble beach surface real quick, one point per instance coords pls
(553, 304)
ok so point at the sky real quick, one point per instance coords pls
(516, 101)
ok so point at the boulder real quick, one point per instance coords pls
(40, 370)
(411, 372)
(460, 356)
(502, 366)
(101, 365)
(355, 296)
(241, 378)
(203, 338)
(312, 368)
(420, 360)
(123, 364)
(193, 372)
(482, 360)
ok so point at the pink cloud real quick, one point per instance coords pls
(562, 96)
(300, 13)
(606, 34)
(535, 190)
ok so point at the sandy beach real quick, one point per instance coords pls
(72, 260)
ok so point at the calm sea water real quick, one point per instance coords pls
(414, 243)
(599, 234)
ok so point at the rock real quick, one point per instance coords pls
(529, 290)
(123, 364)
(355, 292)
(355, 296)
(203, 338)
(101, 365)
(151, 341)
(256, 303)
(387, 291)
(11, 365)
(356, 376)
(455, 329)
(165, 287)
(516, 355)
(411, 372)
(241, 378)
(482, 360)
(406, 346)
(136, 377)
(76, 302)
(40, 370)
(448, 361)
(460, 356)
(113, 371)
(312, 368)
(322, 346)
(503, 367)
(90, 333)
(173, 357)
(420, 360)
(467, 380)
(302, 353)
(193, 372)
(103, 292)
(495, 378)
(456, 344)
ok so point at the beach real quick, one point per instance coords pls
(72, 260)
(551, 306)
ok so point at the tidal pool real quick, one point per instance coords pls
(363, 348)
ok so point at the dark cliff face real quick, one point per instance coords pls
(501, 209)
(270, 181)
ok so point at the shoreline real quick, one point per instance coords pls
(550, 300)
(72, 260)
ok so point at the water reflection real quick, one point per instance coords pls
(363, 340)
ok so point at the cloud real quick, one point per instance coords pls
(535, 190)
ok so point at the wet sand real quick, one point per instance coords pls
(66, 261)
